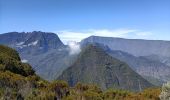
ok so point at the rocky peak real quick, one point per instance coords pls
(31, 40)
(95, 66)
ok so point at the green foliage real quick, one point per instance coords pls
(60, 88)
(12, 80)
(15, 66)
(116, 94)
(151, 93)
(10, 60)
(48, 91)
(84, 91)
(1, 92)
(58, 84)
(6, 51)
(2, 67)
(40, 94)
(90, 95)
(10, 94)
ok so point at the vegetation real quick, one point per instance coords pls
(165, 94)
(19, 82)
(9, 60)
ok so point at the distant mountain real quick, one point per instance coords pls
(165, 60)
(135, 47)
(43, 50)
(51, 64)
(144, 66)
(35, 42)
(95, 66)
(49, 56)
(147, 57)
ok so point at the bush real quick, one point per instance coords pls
(116, 94)
(11, 80)
(6, 51)
(165, 94)
(60, 88)
(11, 64)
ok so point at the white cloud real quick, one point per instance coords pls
(66, 36)
(112, 33)
(74, 47)
(143, 33)
(24, 61)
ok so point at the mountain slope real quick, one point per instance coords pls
(153, 71)
(149, 58)
(14, 75)
(143, 66)
(10, 60)
(51, 64)
(93, 65)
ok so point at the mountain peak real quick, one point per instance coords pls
(95, 66)
(92, 48)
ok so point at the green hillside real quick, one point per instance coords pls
(94, 66)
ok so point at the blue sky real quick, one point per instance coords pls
(77, 19)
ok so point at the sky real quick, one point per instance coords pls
(74, 20)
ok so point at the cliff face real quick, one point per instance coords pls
(135, 47)
(36, 42)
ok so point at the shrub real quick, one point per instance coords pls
(165, 94)
(112, 94)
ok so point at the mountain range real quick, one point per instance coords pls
(136, 47)
(147, 57)
(50, 57)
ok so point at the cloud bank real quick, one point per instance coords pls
(77, 36)
(74, 47)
